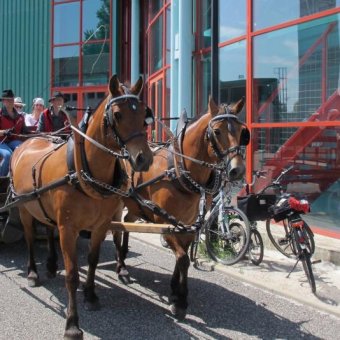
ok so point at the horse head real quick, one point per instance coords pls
(128, 118)
(226, 134)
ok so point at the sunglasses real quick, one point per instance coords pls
(18, 106)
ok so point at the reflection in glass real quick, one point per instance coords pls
(65, 65)
(315, 154)
(232, 19)
(96, 13)
(272, 12)
(205, 83)
(290, 68)
(96, 64)
(156, 43)
(205, 20)
(93, 99)
(232, 72)
(66, 23)
(155, 6)
(168, 35)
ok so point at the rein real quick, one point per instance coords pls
(125, 154)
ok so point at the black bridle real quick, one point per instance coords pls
(231, 119)
(133, 101)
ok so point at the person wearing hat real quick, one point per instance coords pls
(19, 105)
(12, 124)
(32, 119)
(52, 118)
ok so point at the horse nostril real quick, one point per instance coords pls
(140, 159)
(236, 173)
(233, 173)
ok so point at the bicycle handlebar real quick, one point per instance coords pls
(277, 182)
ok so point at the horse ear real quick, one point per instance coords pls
(237, 108)
(114, 86)
(212, 107)
(137, 88)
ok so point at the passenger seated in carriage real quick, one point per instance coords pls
(53, 119)
(12, 124)
(32, 119)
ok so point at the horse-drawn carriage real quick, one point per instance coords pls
(84, 182)
(10, 225)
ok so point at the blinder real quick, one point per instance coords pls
(149, 117)
(245, 136)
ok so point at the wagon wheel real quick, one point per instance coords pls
(11, 229)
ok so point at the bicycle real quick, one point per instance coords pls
(256, 206)
(298, 239)
(226, 230)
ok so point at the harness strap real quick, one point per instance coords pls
(157, 210)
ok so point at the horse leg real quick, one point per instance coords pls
(68, 243)
(27, 222)
(121, 248)
(125, 244)
(179, 281)
(90, 298)
(52, 260)
(122, 272)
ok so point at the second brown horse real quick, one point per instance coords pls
(213, 138)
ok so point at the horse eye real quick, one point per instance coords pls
(217, 132)
(117, 115)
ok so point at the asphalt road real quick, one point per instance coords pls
(220, 307)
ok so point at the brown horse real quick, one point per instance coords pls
(92, 198)
(215, 137)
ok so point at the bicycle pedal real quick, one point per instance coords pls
(316, 261)
(283, 241)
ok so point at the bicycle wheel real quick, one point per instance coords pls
(281, 237)
(255, 249)
(305, 256)
(228, 244)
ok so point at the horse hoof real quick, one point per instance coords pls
(51, 275)
(92, 306)
(178, 312)
(33, 281)
(73, 333)
(124, 279)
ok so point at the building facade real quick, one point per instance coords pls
(283, 57)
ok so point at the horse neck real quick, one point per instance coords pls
(100, 163)
(195, 145)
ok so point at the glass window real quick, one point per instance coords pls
(156, 45)
(273, 12)
(96, 15)
(205, 83)
(168, 35)
(205, 23)
(155, 6)
(93, 99)
(296, 72)
(315, 154)
(66, 23)
(232, 19)
(66, 65)
(96, 64)
(232, 72)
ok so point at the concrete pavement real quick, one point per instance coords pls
(271, 274)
